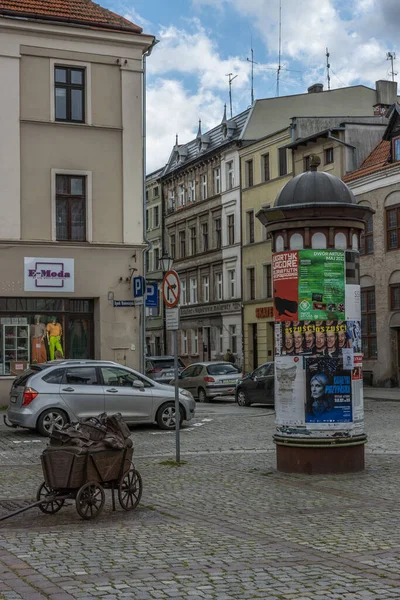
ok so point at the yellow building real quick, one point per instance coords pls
(266, 166)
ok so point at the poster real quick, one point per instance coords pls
(321, 286)
(285, 280)
(289, 391)
(328, 391)
(353, 302)
(278, 339)
(348, 359)
(354, 335)
(323, 338)
(356, 374)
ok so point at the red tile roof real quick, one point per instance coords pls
(82, 12)
(376, 161)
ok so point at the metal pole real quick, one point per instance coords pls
(177, 410)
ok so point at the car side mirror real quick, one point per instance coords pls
(137, 384)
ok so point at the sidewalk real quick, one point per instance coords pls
(375, 393)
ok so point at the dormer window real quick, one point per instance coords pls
(396, 149)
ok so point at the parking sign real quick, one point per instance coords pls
(152, 295)
(138, 286)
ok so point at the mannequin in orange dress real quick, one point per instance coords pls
(38, 333)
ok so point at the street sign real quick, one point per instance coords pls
(123, 303)
(138, 286)
(171, 289)
(152, 295)
(172, 319)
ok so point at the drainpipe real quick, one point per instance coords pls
(142, 361)
(352, 148)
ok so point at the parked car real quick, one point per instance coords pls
(49, 395)
(206, 380)
(257, 387)
(161, 368)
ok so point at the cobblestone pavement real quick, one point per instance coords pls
(225, 525)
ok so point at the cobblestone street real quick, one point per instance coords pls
(225, 525)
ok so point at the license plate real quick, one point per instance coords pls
(230, 382)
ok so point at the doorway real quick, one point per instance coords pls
(254, 342)
(206, 343)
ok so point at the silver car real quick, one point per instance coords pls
(48, 395)
(206, 380)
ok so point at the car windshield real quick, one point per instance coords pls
(221, 369)
(23, 378)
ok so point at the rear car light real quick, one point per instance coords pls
(209, 379)
(29, 395)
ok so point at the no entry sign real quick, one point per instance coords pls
(171, 289)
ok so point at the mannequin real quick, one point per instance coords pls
(38, 333)
(54, 333)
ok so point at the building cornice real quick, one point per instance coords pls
(375, 181)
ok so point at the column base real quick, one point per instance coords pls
(320, 456)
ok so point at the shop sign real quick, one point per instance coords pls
(210, 309)
(264, 312)
(49, 274)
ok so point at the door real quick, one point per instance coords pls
(134, 404)
(186, 380)
(254, 345)
(206, 343)
(82, 391)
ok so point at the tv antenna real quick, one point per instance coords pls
(280, 48)
(328, 66)
(392, 57)
(253, 62)
(230, 89)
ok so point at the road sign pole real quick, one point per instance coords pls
(177, 409)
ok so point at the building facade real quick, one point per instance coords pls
(71, 183)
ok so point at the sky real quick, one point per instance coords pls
(201, 41)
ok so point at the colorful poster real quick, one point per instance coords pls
(323, 338)
(321, 285)
(328, 391)
(354, 335)
(285, 280)
(353, 302)
(357, 374)
(278, 339)
(289, 391)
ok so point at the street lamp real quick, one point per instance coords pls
(166, 262)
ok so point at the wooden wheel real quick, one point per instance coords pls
(90, 501)
(130, 490)
(52, 505)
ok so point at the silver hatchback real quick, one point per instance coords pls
(206, 380)
(48, 395)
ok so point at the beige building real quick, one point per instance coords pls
(71, 181)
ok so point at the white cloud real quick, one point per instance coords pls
(134, 16)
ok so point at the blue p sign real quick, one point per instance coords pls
(138, 287)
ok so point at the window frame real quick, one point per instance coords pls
(282, 161)
(69, 198)
(231, 229)
(218, 232)
(204, 235)
(230, 175)
(69, 87)
(231, 283)
(89, 201)
(204, 182)
(156, 216)
(251, 283)
(205, 280)
(217, 180)
(193, 294)
(183, 297)
(233, 338)
(266, 172)
(192, 190)
(306, 163)
(193, 241)
(182, 244)
(394, 140)
(219, 292)
(329, 160)
(367, 237)
(392, 288)
(181, 195)
(249, 172)
(365, 314)
(172, 244)
(267, 279)
(389, 209)
(250, 226)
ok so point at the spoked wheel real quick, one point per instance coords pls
(90, 501)
(202, 396)
(49, 506)
(242, 398)
(130, 490)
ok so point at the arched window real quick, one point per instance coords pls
(279, 244)
(354, 241)
(318, 240)
(296, 241)
(340, 241)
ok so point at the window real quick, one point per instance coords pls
(232, 283)
(195, 344)
(233, 338)
(282, 156)
(204, 186)
(251, 283)
(328, 156)
(318, 240)
(395, 297)
(184, 345)
(54, 377)
(70, 208)
(69, 83)
(117, 377)
(172, 245)
(396, 149)
(265, 167)
(296, 241)
(183, 292)
(81, 376)
(206, 288)
(279, 244)
(156, 259)
(267, 281)
(155, 194)
(192, 190)
(171, 200)
(220, 339)
(147, 220)
(204, 230)
(306, 163)
(193, 290)
(393, 228)
(250, 226)
(367, 238)
(193, 241)
(368, 323)
(230, 179)
(340, 241)
(181, 195)
(217, 180)
(249, 173)
(156, 216)
(218, 286)
(231, 229)
(147, 195)
(147, 261)
(218, 238)
(182, 244)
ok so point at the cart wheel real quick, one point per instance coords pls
(52, 506)
(130, 490)
(90, 500)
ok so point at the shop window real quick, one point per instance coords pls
(368, 323)
(318, 240)
(395, 297)
(70, 208)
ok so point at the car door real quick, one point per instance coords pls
(186, 378)
(260, 377)
(135, 404)
(82, 391)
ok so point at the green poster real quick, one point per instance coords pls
(321, 285)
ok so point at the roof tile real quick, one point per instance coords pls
(375, 161)
(83, 12)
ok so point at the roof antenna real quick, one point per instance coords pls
(253, 62)
(392, 57)
(280, 49)
(328, 66)
(230, 89)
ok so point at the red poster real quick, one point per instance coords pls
(285, 279)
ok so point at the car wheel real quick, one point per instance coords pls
(50, 419)
(202, 396)
(166, 416)
(242, 398)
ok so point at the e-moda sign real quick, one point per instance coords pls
(49, 275)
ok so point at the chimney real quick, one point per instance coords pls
(316, 88)
(386, 96)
